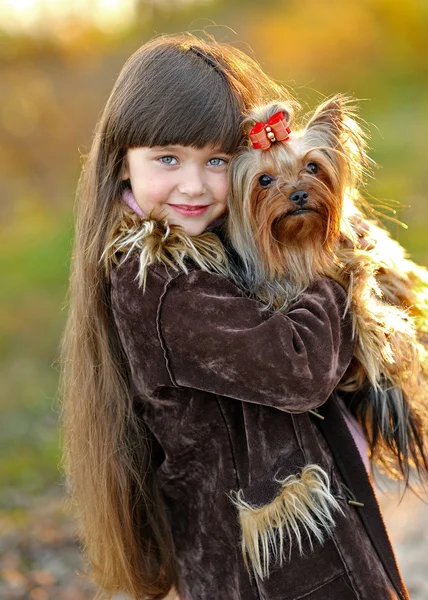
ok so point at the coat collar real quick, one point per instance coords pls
(157, 242)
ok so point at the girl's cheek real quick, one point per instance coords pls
(155, 192)
(226, 190)
(222, 187)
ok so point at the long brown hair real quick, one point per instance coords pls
(173, 90)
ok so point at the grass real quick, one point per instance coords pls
(31, 319)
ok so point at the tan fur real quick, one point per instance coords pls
(303, 509)
(402, 282)
(386, 334)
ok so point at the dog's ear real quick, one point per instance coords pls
(330, 115)
(335, 124)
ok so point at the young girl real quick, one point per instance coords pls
(190, 418)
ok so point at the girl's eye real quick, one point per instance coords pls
(265, 180)
(217, 162)
(312, 168)
(168, 160)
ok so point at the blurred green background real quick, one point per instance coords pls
(57, 66)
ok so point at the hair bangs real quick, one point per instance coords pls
(189, 102)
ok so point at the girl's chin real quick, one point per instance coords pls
(193, 225)
(193, 229)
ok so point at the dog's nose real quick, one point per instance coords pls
(300, 197)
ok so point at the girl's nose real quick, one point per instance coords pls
(192, 182)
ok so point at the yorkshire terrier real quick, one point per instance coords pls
(295, 215)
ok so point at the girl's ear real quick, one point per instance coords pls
(330, 115)
(125, 169)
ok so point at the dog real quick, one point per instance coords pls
(296, 214)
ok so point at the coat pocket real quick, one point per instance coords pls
(338, 588)
(287, 535)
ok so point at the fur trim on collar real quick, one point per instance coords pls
(157, 242)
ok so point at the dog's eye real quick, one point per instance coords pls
(312, 168)
(265, 180)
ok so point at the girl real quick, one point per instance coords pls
(190, 415)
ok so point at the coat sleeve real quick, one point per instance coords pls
(216, 339)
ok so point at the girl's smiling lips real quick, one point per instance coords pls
(189, 210)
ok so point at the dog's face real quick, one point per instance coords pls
(289, 198)
(295, 193)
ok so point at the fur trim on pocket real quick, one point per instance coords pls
(304, 505)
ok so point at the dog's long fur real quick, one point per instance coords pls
(282, 253)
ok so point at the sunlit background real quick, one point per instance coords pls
(58, 61)
(43, 17)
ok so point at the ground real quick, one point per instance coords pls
(40, 557)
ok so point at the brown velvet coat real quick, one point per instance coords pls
(225, 389)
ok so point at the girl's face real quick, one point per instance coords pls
(187, 186)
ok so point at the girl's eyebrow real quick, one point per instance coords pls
(164, 148)
(214, 151)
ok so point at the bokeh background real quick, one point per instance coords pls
(58, 62)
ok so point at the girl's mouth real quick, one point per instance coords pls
(189, 211)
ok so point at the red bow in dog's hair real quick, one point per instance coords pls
(276, 129)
